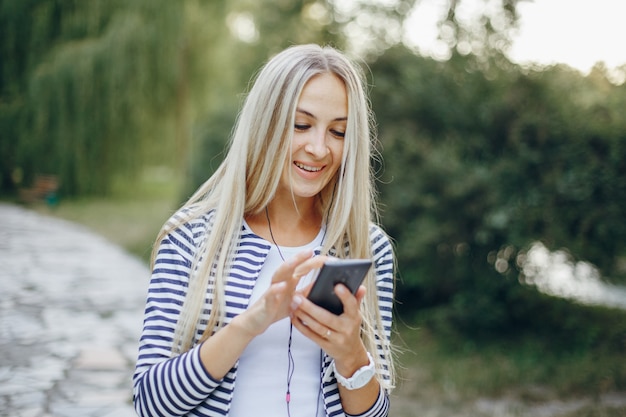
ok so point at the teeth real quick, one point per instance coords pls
(307, 168)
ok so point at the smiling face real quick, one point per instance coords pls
(318, 137)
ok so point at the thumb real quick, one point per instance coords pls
(360, 293)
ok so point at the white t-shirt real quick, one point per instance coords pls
(262, 374)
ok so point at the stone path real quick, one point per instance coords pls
(70, 316)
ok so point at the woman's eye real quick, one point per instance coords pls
(338, 134)
(301, 127)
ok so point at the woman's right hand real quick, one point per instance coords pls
(275, 302)
(273, 305)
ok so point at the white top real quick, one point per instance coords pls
(262, 373)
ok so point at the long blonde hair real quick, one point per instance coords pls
(247, 179)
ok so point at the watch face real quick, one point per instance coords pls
(359, 379)
(363, 378)
(366, 375)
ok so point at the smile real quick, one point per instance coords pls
(307, 168)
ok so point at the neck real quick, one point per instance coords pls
(291, 225)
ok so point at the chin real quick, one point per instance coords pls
(306, 192)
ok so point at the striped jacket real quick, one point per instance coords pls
(179, 385)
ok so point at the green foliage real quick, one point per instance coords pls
(481, 158)
(97, 89)
(486, 32)
(480, 163)
(259, 30)
(532, 367)
(93, 91)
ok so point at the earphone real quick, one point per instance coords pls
(291, 366)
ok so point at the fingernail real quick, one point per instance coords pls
(340, 289)
(296, 301)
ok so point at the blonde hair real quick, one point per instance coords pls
(247, 179)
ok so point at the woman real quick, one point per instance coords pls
(228, 329)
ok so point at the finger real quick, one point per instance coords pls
(279, 297)
(297, 259)
(310, 327)
(304, 291)
(287, 269)
(360, 294)
(299, 303)
(277, 290)
(317, 319)
(350, 302)
(308, 265)
(296, 302)
(302, 327)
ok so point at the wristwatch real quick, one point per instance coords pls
(360, 378)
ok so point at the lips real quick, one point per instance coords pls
(307, 168)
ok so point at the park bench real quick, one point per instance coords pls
(44, 188)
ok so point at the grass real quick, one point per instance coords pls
(132, 224)
(522, 377)
(497, 367)
(131, 219)
(437, 377)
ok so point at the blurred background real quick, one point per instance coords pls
(502, 179)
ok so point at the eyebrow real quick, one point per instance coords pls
(338, 119)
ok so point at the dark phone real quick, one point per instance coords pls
(349, 272)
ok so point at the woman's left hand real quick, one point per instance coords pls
(338, 335)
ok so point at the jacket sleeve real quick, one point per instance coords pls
(379, 409)
(384, 269)
(166, 385)
(385, 279)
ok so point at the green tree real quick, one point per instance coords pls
(481, 162)
(95, 89)
(256, 31)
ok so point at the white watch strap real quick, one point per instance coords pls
(350, 382)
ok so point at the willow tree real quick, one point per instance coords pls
(95, 89)
(92, 91)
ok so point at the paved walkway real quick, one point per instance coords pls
(70, 316)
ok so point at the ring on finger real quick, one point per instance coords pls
(328, 333)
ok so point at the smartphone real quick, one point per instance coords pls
(349, 272)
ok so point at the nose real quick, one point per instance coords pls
(316, 144)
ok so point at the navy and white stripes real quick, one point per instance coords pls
(179, 386)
